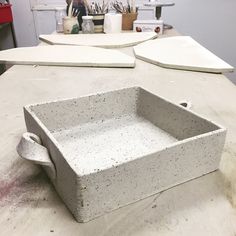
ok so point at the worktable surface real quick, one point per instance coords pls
(28, 202)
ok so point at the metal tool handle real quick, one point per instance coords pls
(30, 148)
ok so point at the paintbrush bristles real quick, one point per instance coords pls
(87, 5)
(97, 8)
(121, 8)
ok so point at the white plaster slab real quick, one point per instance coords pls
(115, 40)
(66, 56)
(181, 52)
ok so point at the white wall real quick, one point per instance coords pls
(29, 23)
(23, 23)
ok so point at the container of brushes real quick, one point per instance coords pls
(128, 19)
(98, 20)
(70, 25)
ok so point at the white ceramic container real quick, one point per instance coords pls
(107, 150)
(70, 25)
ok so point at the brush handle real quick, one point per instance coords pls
(70, 9)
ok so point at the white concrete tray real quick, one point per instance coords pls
(107, 150)
(181, 52)
(116, 40)
(63, 55)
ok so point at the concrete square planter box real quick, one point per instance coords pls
(107, 150)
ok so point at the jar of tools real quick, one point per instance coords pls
(60, 14)
(87, 25)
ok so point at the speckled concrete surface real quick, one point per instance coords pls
(118, 147)
(100, 145)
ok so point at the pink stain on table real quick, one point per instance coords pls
(6, 188)
(18, 190)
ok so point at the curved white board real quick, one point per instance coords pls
(116, 40)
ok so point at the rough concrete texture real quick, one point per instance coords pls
(115, 148)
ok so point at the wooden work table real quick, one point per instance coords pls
(29, 204)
